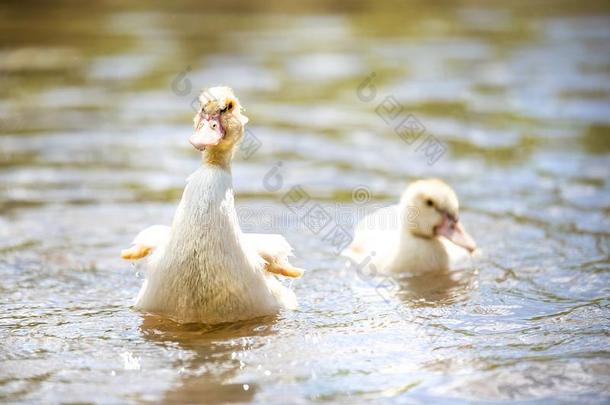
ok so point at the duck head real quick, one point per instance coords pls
(219, 124)
(436, 212)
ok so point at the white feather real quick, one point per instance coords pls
(153, 236)
(273, 245)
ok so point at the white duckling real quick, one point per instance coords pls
(425, 236)
(203, 268)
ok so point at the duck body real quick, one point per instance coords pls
(207, 272)
(388, 249)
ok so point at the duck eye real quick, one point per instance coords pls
(213, 125)
(429, 203)
(228, 107)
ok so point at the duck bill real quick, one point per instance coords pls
(207, 134)
(454, 231)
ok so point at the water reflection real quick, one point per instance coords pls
(210, 356)
(437, 288)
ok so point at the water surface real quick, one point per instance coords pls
(95, 113)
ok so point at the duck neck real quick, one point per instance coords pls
(410, 237)
(422, 252)
(218, 157)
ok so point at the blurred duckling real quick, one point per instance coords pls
(427, 235)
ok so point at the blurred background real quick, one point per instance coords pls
(96, 106)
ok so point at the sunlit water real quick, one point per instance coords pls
(95, 112)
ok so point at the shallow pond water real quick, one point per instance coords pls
(95, 113)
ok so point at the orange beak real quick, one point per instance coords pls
(453, 230)
(208, 132)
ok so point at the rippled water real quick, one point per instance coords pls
(95, 112)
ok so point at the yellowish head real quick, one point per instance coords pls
(219, 122)
(436, 212)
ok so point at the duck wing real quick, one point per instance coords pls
(275, 251)
(146, 242)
